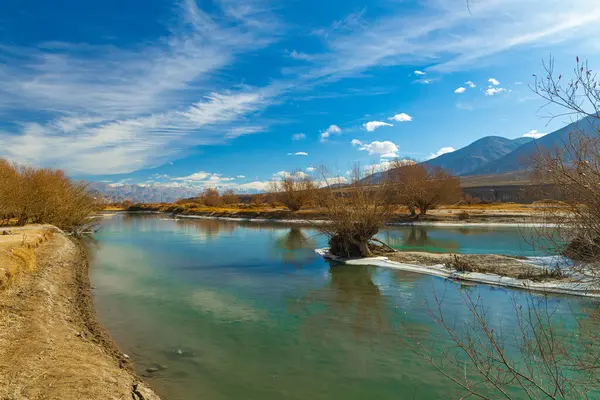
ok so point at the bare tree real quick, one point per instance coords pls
(423, 188)
(536, 361)
(230, 197)
(211, 197)
(294, 190)
(356, 213)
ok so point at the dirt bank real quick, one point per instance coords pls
(505, 213)
(51, 344)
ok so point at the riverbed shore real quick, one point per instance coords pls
(508, 214)
(52, 345)
(528, 273)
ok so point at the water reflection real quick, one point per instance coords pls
(417, 238)
(294, 247)
(350, 302)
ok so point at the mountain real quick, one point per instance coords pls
(477, 155)
(141, 193)
(520, 158)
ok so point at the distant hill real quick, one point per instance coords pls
(520, 158)
(477, 155)
(113, 193)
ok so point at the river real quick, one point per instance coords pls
(245, 310)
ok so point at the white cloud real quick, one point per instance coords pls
(417, 72)
(240, 176)
(196, 176)
(311, 169)
(124, 109)
(286, 174)
(434, 33)
(332, 130)
(372, 125)
(402, 117)
(534, 134)
(298, 153)
(460, 90)
(442, 151)
(386, 165)
(298, 136)
(492, 91)
(470, 84)
(493, 81)
(423, 81)
(385, 149)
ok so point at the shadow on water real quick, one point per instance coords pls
(294, 248)
(417, 238)
(350, 301)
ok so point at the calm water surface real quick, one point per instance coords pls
(249, 311)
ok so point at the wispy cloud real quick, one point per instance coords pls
(298, 153)
(470, 84)
(298, 136)
(372, 125)
(460, 90)
(434, 33)
(417, 72)
(101, 110)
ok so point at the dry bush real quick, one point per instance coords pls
(229, 197)
(31, 195)
(463, 216)
(259, 199)
(572, 167)
(538, 361)
(293, 190)
(211, 198)
(356, 213)
(423, 188)
(460, 264)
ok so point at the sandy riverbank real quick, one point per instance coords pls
(51, 343)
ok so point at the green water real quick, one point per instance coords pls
(249, 311)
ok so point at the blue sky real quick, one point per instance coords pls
(230, 93)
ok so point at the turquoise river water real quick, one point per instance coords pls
(234, 310)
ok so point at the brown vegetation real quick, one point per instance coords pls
(419, 187)
(43, 196)
(294, 190)
(355, 215)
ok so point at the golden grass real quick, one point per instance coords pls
(17, 252)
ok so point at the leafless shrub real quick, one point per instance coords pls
(460, 264)
(534, 361)
(423, 188)
(356, 213)
(293, 190)
(463, 216)
(211, 198)
(229, 197)
(30, 195)
(572, 167)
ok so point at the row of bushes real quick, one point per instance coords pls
(43, 195)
